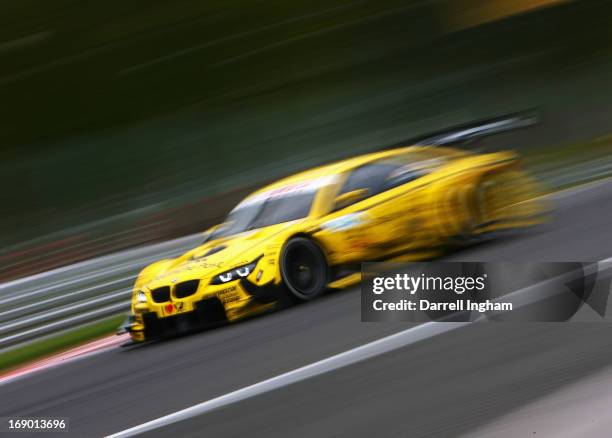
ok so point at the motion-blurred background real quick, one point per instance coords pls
(128, 127)
(123, 123)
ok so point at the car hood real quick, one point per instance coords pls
(219, 255)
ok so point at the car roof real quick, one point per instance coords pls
(345, 165)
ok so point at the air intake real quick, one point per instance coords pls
(186, 288)
(161, 294)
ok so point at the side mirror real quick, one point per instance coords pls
(212, 231)
(348, 198)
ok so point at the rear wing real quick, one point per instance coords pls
(469, 132)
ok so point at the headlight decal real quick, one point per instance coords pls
(244, 271)
(236, 273)
(226, 277)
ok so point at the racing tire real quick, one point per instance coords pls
(304, 269)
(475, 214)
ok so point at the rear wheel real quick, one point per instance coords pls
(490, 202)
(304, 268)
(461, 212)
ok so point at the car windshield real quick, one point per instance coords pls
(266, 211)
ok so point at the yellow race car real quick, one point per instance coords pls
(308, 233)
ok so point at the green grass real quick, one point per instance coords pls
(60, 342)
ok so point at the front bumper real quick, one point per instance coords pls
(209, 312)
(230, 303)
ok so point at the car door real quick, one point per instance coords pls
(388, 193)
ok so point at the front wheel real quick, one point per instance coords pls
(304, 268)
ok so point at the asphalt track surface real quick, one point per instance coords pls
(447, 385)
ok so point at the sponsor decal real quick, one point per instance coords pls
(228, 294)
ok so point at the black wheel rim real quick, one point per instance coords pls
(305, 270)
